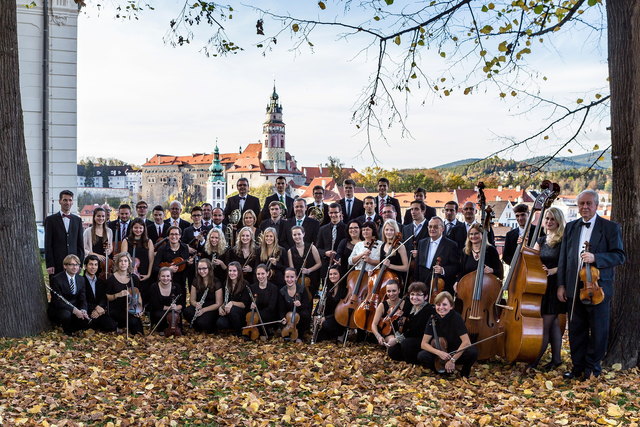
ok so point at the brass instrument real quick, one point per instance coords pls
(316, 212)
(234, 219)
(283, 209)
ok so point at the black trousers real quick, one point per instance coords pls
(135, 324)
(330, 329)
(205, 322)
(466, 359)
(70, 322)
(103, 323)
(407, 350)
(233, 320)
(588, 335)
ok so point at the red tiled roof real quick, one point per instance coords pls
(492, 195)
(251, 151)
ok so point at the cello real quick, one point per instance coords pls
(355, 295)
(376, 290)
(478, 290)
(526, 282)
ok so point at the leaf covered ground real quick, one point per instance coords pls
(209, 380)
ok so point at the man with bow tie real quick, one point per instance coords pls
(589, 324)
(242, 201)
(62, 235)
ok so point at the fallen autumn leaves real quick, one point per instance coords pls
(198, 379)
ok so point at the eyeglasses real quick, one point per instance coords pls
(73, 265)
(203, 268)
(354, 228)
(196, 215)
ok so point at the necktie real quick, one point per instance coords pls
(123, 230)
(72, 286)
(298, 222)
(586, 224)
(243, 198)
(66, 216)
(369, 218)
(334, 234)
(281, 199)
(416, 229)
(349, 208)
(449, 225)
(175, 223)
(159, 230)
(382, 202)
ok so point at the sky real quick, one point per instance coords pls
(139, 96)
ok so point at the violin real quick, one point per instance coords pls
(179, 262)
(439, 343)
(159, 242)
(135, 306)
(386, 324)
(252, 318)
(437, 283)
(290, 329)
(173, 322)
(591, 293)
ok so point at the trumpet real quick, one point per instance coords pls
(316, 212)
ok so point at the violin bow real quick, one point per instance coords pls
(262, 324)
(393, 252)
(460, 350)
(164, 314)
(575, 286)
(253, 299)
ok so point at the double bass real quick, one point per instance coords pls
(478, 291)
(526, 282)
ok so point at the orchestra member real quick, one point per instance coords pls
(384, 199)
(549, 247)
(279, 196)
(305, 259)
(194, 236)
(277, 222)
(511, 239)
(450, 326)
(436, 245)
(310, 225)
(273, 256)
(414, 321)
(346, 245)
(417, 230)
(331, 329)
(158, 230)
(351, 206)
(243, 201)
(141, 212)
(419, 195)
(266, 295)
(207, 215)
(453, 229)
(217, 216)
(245, 253)
(589, 324)
(330, 235)
(318, 196)
(249, 219)
(360, 253)
(471, 255)
(122, 287)
(121, 226)
(294, 294)
(215, 250)
(62, 235)
(96, 296)
(384, 310)
(161, 299)
(469, 211)
(204, 307)
(388, 212)
(69, 285)
(236, 300)
(175, 209)
(370, 214)
(98, 239)
(173, 254)
(141, 250)
(397, 263)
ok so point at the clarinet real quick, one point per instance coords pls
(64, 300)
(317, 319)
(206, 291)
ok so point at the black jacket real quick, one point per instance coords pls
(233, 203)
(450, 261)
(395, 203)
(356, 210)
(58, 243)
(60, 284)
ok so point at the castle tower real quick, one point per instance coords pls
(216, 186)
(273, 149)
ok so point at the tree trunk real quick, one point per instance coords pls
(22, 296)
(623, 18)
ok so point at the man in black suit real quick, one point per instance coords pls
(62, 235)
(454, 229)
(511, 239)
(330, 235)
(158, 229)
(469, 211)
(121, 227)
(175, 209)
(207, 211)
(589, 324)
(277, 222)
(370, 213)
(242, 201)
(195, 235)
(310, 225)
(96, 296)
(318, 196)
(69, 285)
(351, 206)
(420, 194)
(436, 245)
(218, 221)
(141, 211)
(417, 229)
(279, 196)
(384, 199)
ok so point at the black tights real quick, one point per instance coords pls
(551, 334)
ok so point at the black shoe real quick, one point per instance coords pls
(551, 366)
(570, 375)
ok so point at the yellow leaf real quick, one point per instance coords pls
(35, 409)
(254, 406)
(617, 366)
(562, 421)
(548, 385)
(286, 418)
(322, 5)
(605, 421)
(149, 386)
(484, 420)
(579, 101)
(614, 411)
(295, 28)
(397, 40)
(528, 392)
(369, 408)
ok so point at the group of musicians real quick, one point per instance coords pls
(243, 268)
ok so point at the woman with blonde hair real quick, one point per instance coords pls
(245, 253)
(215, 250)
(272, 255)
(249, 219)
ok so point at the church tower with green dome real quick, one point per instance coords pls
(216, 185)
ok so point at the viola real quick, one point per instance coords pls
(173, 322)
(439, 343)
(290, 329)
(179, 262)
(252, 319)
(437, 283)
(591, 293)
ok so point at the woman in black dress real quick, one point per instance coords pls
(236, 300)
(331, 329)
(450, 326)
(204, 307)
(273, 256)
(138, 245)
(549, 247)
(98, 239)
(471, 254)
(265, 295)
(305, 259)
(122, 286)
(346, 245)
(215, 250)
(397, 263)
(385, 309)
(244, 252)
(161, 299)
(412, 326)
(295, 294)
(168, 253)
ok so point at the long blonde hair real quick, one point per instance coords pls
(252, 246)
(555, 238)
(222, 243)
(267, 251)
(468, 244)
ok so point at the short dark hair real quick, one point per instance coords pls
(369, 197)
(417, 287)
(318, 187)
(420, 190)
(383, 179)
(243, 179)
(207, 204)
(373, 226)
(158, 208)
(140, 203)
(423, 206)
(91, 257)
(274, 203)
(299, 199)
(335, 205)
(452, 202)
(65, 193)
(281, 177)
(521, 208)
(196, 209)
(124, 206)
(349, 182)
